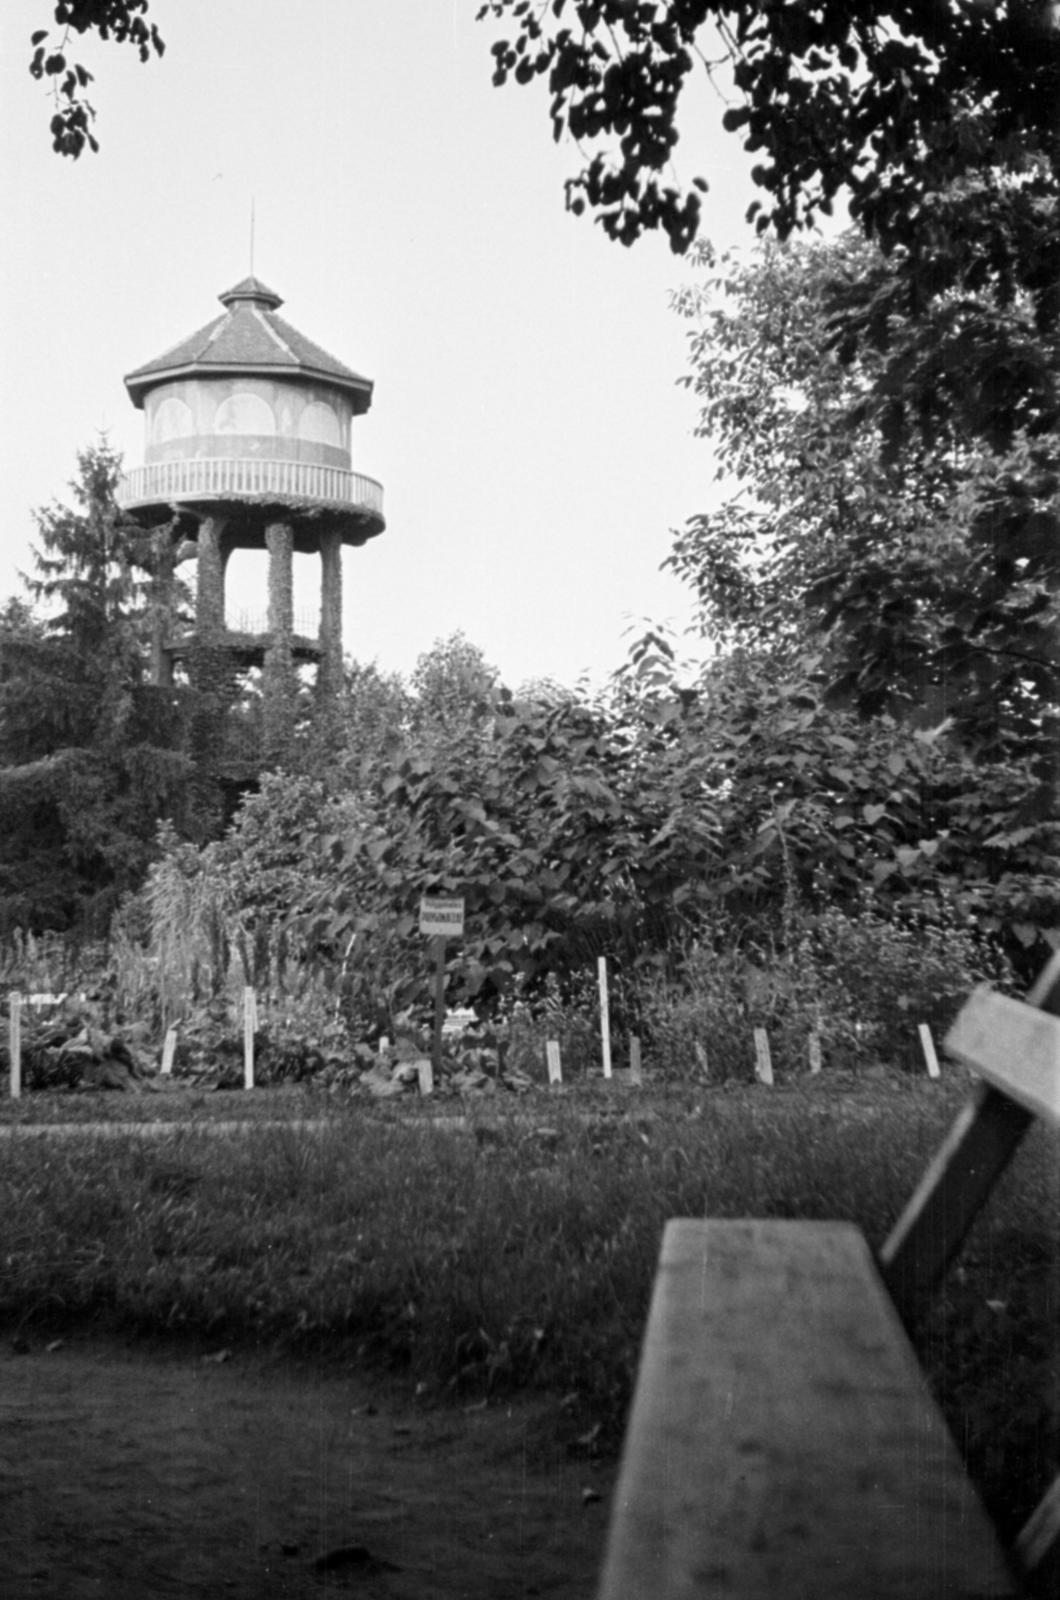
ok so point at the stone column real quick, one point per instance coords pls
(329, 673)
(213, 558)
(212, 670)
(279, 684)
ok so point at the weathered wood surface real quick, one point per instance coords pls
(1014, 1046)
(782, 1443)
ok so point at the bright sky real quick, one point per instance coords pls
(527, 426)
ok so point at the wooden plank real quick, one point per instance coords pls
(1038, 1544)
(1014, 1046)
(956, 1185)
(782, 1441)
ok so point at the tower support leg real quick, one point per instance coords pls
(329, 673)
(213, 558)
(279, 683)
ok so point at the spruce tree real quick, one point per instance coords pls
(90, 750)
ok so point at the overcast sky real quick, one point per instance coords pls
(527, 426)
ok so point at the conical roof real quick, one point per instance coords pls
(249, 338)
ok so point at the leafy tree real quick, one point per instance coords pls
(89, 756)
(878, 98)
(125, 22)
(452, 685)
(898, 568)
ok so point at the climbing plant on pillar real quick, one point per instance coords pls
(280, 684)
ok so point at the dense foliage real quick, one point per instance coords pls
(927, 579)
(90, 759)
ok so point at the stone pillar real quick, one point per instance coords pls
(279, 684)
(212, 669)
(329, 673)
(213, 558)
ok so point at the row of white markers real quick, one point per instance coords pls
(169, 1048)
(763, 1059)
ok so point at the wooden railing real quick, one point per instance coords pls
(206, 476)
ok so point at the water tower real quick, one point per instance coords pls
(247, 447)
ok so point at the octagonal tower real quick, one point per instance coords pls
(247, 446)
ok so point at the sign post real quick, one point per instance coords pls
(440, 919)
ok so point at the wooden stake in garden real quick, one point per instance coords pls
(605, 1016)
(440, 919)
(763, 1059)
(927, 1044)
(555, 1069)
(15, 1043)
(250, 1027)
(169, 1050)
(815, 1052)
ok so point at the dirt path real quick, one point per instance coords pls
(125, 1474)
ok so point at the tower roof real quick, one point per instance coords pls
(249, 339)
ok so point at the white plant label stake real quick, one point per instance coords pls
(763, 1059)
(605, 1016)
(250, 1019)
(425, 1070)
(169, 1050)
(635, 1074)
(927, 1044)
(555, 1069)
(15, 1042)
(815, 1052)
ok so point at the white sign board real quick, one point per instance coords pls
(441, 918)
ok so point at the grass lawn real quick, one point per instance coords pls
(517, 1249)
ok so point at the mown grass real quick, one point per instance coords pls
(520, 1250)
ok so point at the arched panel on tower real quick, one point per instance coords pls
(319, 424)
(244, 413)
(173, 420)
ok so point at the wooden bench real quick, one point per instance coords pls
(782, 1442)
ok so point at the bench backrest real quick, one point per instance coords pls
(1014, 1049)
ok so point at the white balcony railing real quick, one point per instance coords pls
(206, 476)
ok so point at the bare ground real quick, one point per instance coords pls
(130, 1471)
